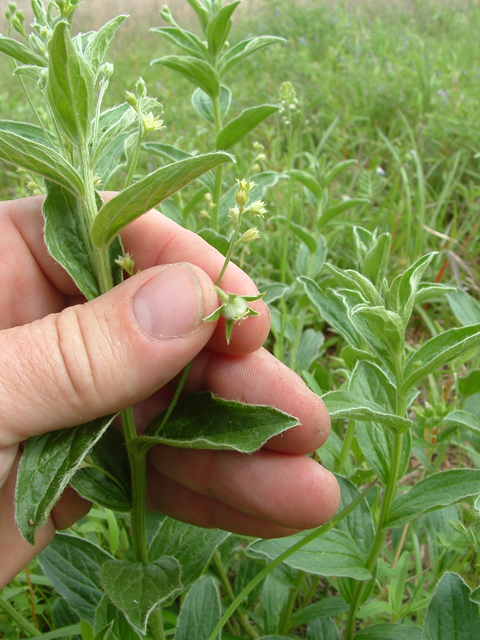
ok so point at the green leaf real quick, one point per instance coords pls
(427, 291)
(46, 467)
(438, 352)
(184, 39)
(147, 193)
(323, 629)
(137, 588)
(475, 595)
(70, 86)
(104, 477)
(201, 11)
(439, 490)
(215, 239)
(114, 122)
(242, 50)
(375, 262)
(274, 291)
(308, 181)
(107, 613)
(199, 72)
(470, 384)
(65, 240)
(73, 566)
(389, 632)
(308, 349)
(330, 606)
(192, 546)
(39, 159)
(332, 310)
(376, 444)
(351, 279)
(386, 325)
(464, 418)
(335, 210)
(22, 53)
(200, 611)
(204, 421)
(237, 128)
(334, 554)
(343, 404)
(96, 49)
(219, 27)
(203, 105)
(404, 287)
(30, 131)
(275, 598)
(335, 171)
(304, 234)
(465, 308)
(359, 523)
(451, 614)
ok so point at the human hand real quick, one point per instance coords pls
(65, 361)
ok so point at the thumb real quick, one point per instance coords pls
(102, 356)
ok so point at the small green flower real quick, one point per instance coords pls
(234, 308)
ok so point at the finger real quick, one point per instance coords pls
(180, 503)
(154, 239)
(293, 492)
(105, 355)
(259, 378)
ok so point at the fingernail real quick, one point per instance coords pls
(171, 304)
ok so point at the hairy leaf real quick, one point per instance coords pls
(329, 606)
(219, 27)
(237, 128)
(342, 404)
(439, 490)
(70, 86)
(404, 287)
(73, 566)
(199, 72)
(334, 554)
(200, 611)
(137, 588)
(39, 159)
(106, 614)
(204, 421)
(147, 193)
(203, 105)
(465, 308)
(464, 418)
(22, 53)
(184, 39)
(30, 131)
(192, 546)
(439, 351)
(96, 49)
(65, 238)
(104, 477)
(389, 632)
(46, 466)
(451, 614)
(243, 49)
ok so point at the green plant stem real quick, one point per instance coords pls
(284, 556)
(346, 445)
(242, 617)
(135, 158)
(217, 194)
(156, 624)
(27, 627)
(175, 398)
(231, 247)
(381, 532)
(292, 596)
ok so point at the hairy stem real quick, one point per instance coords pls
(217, 113)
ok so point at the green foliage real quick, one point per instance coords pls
(375, 148)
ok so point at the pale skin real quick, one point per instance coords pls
(65, 361)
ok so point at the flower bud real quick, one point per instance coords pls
(249, 235)
(141, 88)
(234, 212)
(106, 70)
(257, 208)
(131, 98)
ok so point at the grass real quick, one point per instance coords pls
(393, 87)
